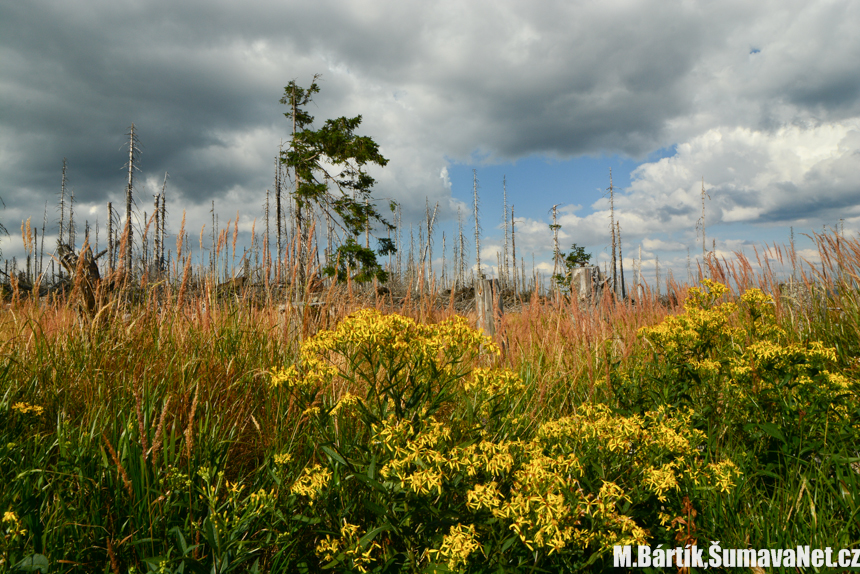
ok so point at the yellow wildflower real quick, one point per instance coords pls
(25, 408)
(457, 546)
(662, 480)
(312, 482)
(282, 459)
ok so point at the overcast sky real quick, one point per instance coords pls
(761, 99)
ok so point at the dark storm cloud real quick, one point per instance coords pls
(433, 80)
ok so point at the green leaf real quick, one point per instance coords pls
(375, 484)
(510, 540)
(375, 508)
(367, 538)
(772, 430)
(33, 563)
(334, 455)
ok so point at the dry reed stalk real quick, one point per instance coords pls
(179, 238)
(196, 552)
(760, 267)
(235, 234)
(254, 246)
(114, 563)
(189, 430)
(183, 287)
(16, 292)
(141, 425)
(125, 480)
(158, 443)
(123, 248)
(146, 227)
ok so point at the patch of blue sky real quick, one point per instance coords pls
(536, 183)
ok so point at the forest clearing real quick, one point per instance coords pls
(202, 427)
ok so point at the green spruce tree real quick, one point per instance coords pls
(329, 170)
(576, 258)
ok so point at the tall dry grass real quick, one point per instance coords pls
(174, 379)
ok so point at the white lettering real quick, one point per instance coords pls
(746, 557)
(828, 557)
(621, 556)
(855, 558)
(643, 557)
(844, 558)
(763, 558)
(817, 558)
(776, 558)
(659, 558)
(715, 554)
(803, 556)
(696, 555)
(789, 559)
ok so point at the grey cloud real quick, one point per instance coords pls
(434, 81)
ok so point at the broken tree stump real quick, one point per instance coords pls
(488, 304)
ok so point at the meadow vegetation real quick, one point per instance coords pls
(193, 433)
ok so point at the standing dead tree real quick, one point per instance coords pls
(428, 247)
(701, 224)
(279, 215)
(614, 274)
(158, 256)
(161, 258)
(62, 208)
(133, 150)
(398, 236)
(71, 230)
(461, 252)
(556, 252)
(620, 260)
(514, 250)
(505, 277)
(111, 261)
(42, 245)
(477, 225)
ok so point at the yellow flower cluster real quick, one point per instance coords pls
(12, 524)
(484, 496)
(598, 427)
(350, 544)
(395, 334)
(460, 542)
(282, 459)
(661, 480)
(311, 483)
(424, 481)
(262, 498)
(546, 506)
(417, 464)
(761, 308)
(534, 487)
(313, 372)
(540, 514)
(745, 354)
(494, 382)
(724, 474)
(347, 400)
(25, 408)
(372, 336)
(691, 333)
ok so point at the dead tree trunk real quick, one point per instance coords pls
(129, 200)
(621, 261)
(488, 304)
(477, 226)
